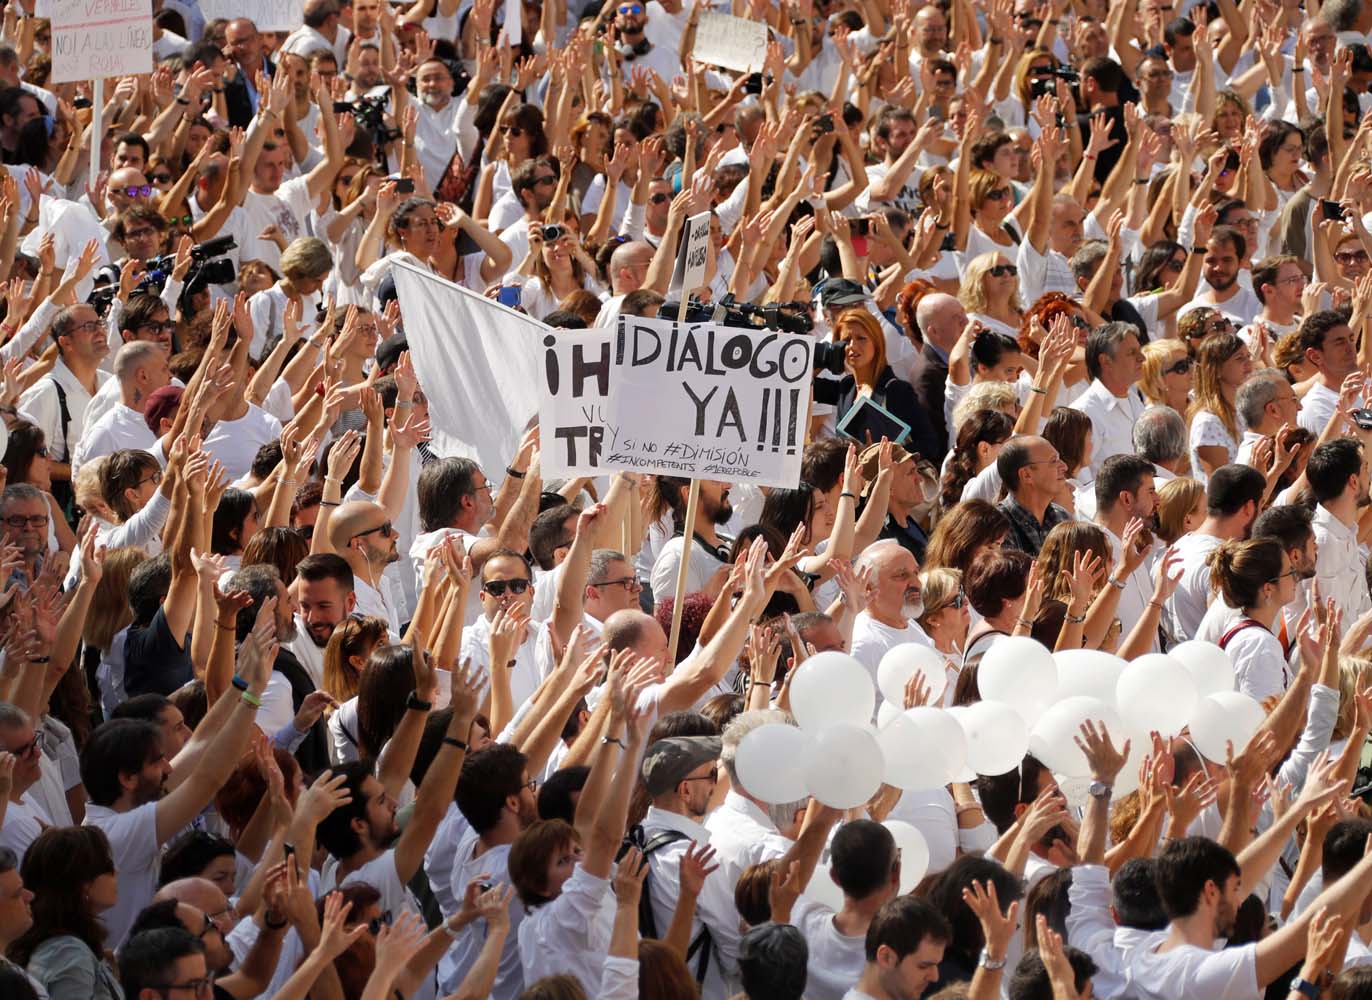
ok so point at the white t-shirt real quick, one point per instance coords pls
(1190, 973)
(286, 209)
(704, 564)
(457, 961)
(137, 859)
(24, 821)
(836, 959)
(1186, 607)
(235, 442)
(872, 640)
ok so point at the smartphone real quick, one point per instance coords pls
(509, 295)
(860, 227)
(824, 123)
(1333, 211)
(1363, 418)
(404, 185)
(753, 85)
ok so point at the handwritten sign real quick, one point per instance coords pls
(267, 15)
(694, 255)
(708, 402)
(575, 386)
(94, 39)
(732, 42)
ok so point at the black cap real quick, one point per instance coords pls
(841, 292)
(389, 350)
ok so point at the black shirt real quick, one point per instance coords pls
(154, 662)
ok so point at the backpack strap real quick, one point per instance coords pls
(647, 924)
(1238, 627)
(66, 418)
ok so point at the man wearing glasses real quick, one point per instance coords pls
(26, 520)
(33, 803)
(169, 962)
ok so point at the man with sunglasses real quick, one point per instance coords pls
(636, 50)
(361, 532)
(507, 589)
(36, 799)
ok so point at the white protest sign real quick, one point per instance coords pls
(94, 39)
(477, 361)
(575, 388)
(708, 402)
(732, 42)
(693, 257)
(514, 24)
(267, 15)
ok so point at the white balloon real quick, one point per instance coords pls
(822, 888)
(1088, 671)
(1227, 716)
(900, 662)
(1156, 693)
(1052, 739)
(965, 773)
(829, 688)
(914, 853)
(1020, 672)
(924, 748)
(771, 762)
(845, 766)
(1210, 666)
(887, 711)
(997, 738)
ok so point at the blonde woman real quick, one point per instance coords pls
(109, 615)
(1167, 378)
(1181, 507)
(990, 293)
(946, 620)
(1222, 363)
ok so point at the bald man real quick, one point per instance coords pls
(126, 186)
(204, 911)
(628, 271)
(362, 533)
(941, 319)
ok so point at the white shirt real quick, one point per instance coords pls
(137, 859)
(1190, 973)
(1112, 420)
(24, 821)
(371, 601)
(287, 209)
(120, 428)
(1339, 565)
(1186, 607)
(39, 405)
(533, 659)
(743, 835)
(1317, 406)
(872, 640)
(467, 864)
(1259, 662)
(836, 959)
(704, 564)
(571, 934)
(235, 442)
(1138, 587)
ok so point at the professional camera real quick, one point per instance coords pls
(370, 113)
(1044, 81)
(208, 267)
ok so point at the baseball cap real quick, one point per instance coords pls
(669, 761)
(162, 403)
(840, 292)
(389, 350)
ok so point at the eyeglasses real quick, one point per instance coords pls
(33, 746)
(160, 178)
(531, 784)
(545, 181)
(1291, 279)
(630, 583)
(712, 777)
(1294, 573)
(513, 131)
(32, 521)
(497, 588)
(1179, 368)
(384, 528)
(660, 197)
(630, 8)
(90, 326)
(1354, 257)
(1003, 271)
(197, 986)
(166, 326)
(155, 479)
(1046, 461)
(999, 194)
(140, 234)
(139, 191)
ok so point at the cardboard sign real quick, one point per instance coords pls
(575, 384)
(708, 402)
(693, 255)
(94, 39)
(732, 42)
(267, 15)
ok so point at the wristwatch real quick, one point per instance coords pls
(986, 962)
(417, 703)
(1306, 988)
(1099, 790)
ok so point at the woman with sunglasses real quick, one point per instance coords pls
(990, 293)
(352, 205)
(946, 619)
(555, 267)
(1222, 364)
(1166, 379)
(1197, 324)
(71, 873)
(1257, 578)
(982, 208)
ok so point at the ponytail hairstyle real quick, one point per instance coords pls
(989, 347)
(1240, 569)
(983, 426)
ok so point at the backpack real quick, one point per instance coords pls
(647, 923)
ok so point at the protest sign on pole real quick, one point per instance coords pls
(268, 15)
(479, 362)
(691, 259)
(514, 24)
(732, 42)
(575, 380)
(93, 39)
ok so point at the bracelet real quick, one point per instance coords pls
(1089, 156)
(1198, 250)
(40, 659)
(996, 41)
(1076, 619)
(760, 684)
(328, 503)
(1297, 69)
(240, 683)
(1041, 392)
(845, 493)
(612, 739)
(183, 101)
(513, 473)
(227, 628)
(1025, 622)
(1117, 584)
(333, 479)
(453, 741)
(251, 699)
(403, 402)
(967, 807)
(1141, 180)
(267, 922)
(946, 226)
(417, 703)
(1154, 604)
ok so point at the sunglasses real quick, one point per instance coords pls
(497, 588)
(183, 220)
(33, 746)
(513, 131)
(1359, 256)
(1003, 271)
(659, 198)
(384, 528)
(999, 194)
(160, 178)
(139, 191)
(630, 8)
(1179, 368)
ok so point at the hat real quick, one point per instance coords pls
(669, 761)
(840, 292)
(389, 350)
(870, 457)
(161, 404)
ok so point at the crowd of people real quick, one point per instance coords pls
(293, 704)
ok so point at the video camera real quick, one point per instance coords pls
(209, 266)
(370, 113)
(1044, 81)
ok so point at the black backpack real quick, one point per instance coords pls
(647, 924)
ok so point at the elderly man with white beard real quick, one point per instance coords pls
(893, 604)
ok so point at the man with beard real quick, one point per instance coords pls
(1327, 343)
(364, 536)
(635, 50)
(1337, 474)
(903, 947)
(709, 549)
(362, 836)
(1225, 252)
(893, 604)
(125, 770)
(1201, 886)
(324, 587)
(533, 184)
